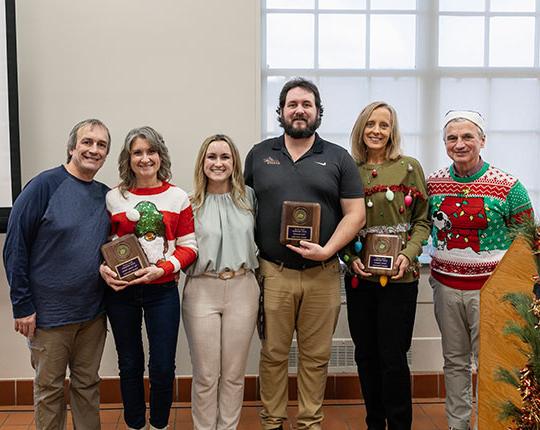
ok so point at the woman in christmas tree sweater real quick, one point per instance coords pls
(160, 216)
(381, 317)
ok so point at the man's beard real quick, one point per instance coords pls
(299, 133)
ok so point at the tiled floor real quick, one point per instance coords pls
(340, 415)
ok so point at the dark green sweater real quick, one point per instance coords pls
(401, 177)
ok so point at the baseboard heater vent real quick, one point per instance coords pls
(341, 359)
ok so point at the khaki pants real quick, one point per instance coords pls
(80, 347)
(307, 301)
(219, 317)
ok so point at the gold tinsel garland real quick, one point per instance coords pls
(529, 382)
(529, 387)
(535, 309)
(530, 396)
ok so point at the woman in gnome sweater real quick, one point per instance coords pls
(160, 216)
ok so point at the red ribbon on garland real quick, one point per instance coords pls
(415, 193)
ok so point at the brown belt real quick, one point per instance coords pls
(226, 274)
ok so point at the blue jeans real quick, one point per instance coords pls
(160, 306)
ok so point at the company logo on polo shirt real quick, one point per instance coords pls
(271, 161)
(320, 163)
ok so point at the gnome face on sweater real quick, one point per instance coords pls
(150, 230)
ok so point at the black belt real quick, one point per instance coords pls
(309, 265)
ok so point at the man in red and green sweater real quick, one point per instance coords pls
(472, 206)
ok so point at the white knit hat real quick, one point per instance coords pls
(469, 115)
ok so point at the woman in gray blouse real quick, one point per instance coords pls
(221, 294)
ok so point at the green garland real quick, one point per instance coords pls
(527, 380)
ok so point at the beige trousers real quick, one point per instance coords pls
(307, 301)
(219, 317)
(80, 347)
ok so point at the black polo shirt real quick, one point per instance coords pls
(325, 174)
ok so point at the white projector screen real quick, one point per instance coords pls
(10, 171)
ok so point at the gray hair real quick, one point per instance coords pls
(72, 138)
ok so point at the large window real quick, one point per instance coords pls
(424, 57)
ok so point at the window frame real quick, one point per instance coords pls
(427, 72)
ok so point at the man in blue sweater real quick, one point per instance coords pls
(52, 257)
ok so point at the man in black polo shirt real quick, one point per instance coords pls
(301, 283)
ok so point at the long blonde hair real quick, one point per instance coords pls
(200, 181)
(359, 148)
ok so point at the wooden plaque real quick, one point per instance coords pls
(300, 221)
(380, 252)
(125, 256)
